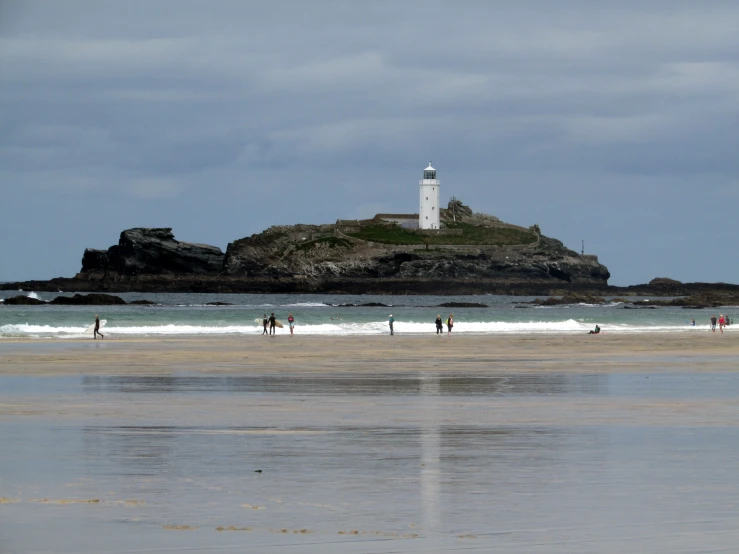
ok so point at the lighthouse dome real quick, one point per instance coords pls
(429, 172)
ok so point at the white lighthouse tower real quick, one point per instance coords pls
(428, 215)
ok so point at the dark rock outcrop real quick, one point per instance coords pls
(310, 252)
(697, 301)
(364, 305)
(76, 300)
(94, 299)
(664, 282)
(569, 299)
(152, 252)
(23, 300)
(462, 305)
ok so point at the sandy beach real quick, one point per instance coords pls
(696, 351)
(576, 444)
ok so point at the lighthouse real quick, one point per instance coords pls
(428, 217)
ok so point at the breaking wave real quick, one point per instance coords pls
(569, 326)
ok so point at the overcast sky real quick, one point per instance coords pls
(618, 125)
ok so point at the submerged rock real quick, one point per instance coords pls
(462, 305)
(569, 299)
(23, 300)
(95, 299)
(365, 305)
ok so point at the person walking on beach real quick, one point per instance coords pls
(272, 322)
(291, 322)
(390, 321)
(450, 323)
(721, 323)
(96, 331)
(439, 325)
(265, 321)
(713, 323)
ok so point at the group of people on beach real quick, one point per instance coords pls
(723, 321)
(272, 322)
(438, 322)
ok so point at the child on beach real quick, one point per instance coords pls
(450, 323)
(439, 325)
(721, 322)
(291, 321)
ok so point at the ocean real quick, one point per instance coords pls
(191, 315)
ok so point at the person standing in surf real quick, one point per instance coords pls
(272, 322)
(713, 323)
(265, 321)
(721, 322)
(96, 331)
(390, 321)
(291, 322)
(450, 323)
(439, 325)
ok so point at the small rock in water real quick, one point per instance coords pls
(257, 471)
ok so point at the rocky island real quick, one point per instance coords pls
(471, 254)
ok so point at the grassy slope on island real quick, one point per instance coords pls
(471, 234)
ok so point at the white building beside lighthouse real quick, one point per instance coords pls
(428, 215)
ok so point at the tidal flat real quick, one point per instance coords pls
(371, 444)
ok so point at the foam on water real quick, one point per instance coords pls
(569, 326)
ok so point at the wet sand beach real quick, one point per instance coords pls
(458, 353)
(612, 443)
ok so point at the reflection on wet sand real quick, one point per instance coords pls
(344, 463)
(430, 453)
(361, 385)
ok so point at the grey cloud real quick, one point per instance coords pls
(337, 105)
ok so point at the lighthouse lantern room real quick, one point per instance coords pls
(429, 212)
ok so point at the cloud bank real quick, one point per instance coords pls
(618, 125)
